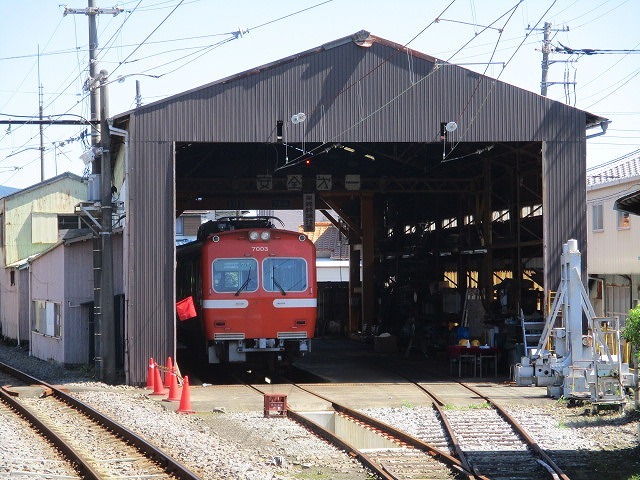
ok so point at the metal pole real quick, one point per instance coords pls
(545, 58)
(40, 107)
(138, 95)
(94, 100)
(94, 106)
(102, 260)
(106, 291)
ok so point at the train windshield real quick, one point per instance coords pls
(235, 275)
(282, 275)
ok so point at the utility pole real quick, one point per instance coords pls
(40, 107)
(138, 95)
(102, 247)
(92, 11)
(106, 292)
(546, 49)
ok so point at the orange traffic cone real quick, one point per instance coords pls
(167, 376)
(173, 387)
(185, 398)
(158, 388)
(151, 373)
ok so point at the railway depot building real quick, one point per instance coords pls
(449, 186)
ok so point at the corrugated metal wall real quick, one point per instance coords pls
(349, 93)
(149, 251)
(78, 290)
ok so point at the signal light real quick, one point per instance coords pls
(307, 161)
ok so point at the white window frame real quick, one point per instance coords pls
(623, 220)
(47, 318)
(597, 209)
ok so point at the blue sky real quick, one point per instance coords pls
(194, 42)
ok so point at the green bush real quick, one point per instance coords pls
(631, 332)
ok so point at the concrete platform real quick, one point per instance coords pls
(360, 377)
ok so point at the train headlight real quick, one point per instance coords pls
(265, 236)
(302, 238)
(253, 236)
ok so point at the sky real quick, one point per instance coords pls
(170, 46)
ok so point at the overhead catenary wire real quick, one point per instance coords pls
(137, 46)
(148, 36)
(230, 36)
(493, 83)
(301, 158)
(175, 63)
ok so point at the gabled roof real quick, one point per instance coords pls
(361, 38)
(4, 191)
(622, 170)
(49, 181)
(329, 242)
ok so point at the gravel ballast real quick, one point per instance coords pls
(245, 445)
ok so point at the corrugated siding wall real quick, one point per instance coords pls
(564, 197)
(78, 290)
(150, 250)
(349, 93)
(57, 196)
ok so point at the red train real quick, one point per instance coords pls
(254, 288)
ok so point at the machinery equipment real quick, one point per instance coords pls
(578, 354)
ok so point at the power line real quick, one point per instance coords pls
(592, 51)
(148, 36)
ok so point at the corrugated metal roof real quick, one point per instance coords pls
(623, 170)
(39, 185)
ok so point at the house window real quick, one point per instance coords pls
(68, 222)
(46, 318)
(623, 220)
(597, 217)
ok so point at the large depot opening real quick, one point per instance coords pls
(434, 225)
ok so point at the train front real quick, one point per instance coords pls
(259, 297)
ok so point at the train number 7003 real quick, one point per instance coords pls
(260, 249)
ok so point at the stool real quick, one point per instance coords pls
(488, 356)
(469, 359)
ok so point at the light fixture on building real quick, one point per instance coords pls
(451, 127)
(298, 118)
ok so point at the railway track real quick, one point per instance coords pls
(98, 447)
(476, 443)
(403, 457)
(494, 443)
(26, 452)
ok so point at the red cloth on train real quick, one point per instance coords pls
(186, 308)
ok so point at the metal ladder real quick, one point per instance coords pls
(531, 333)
